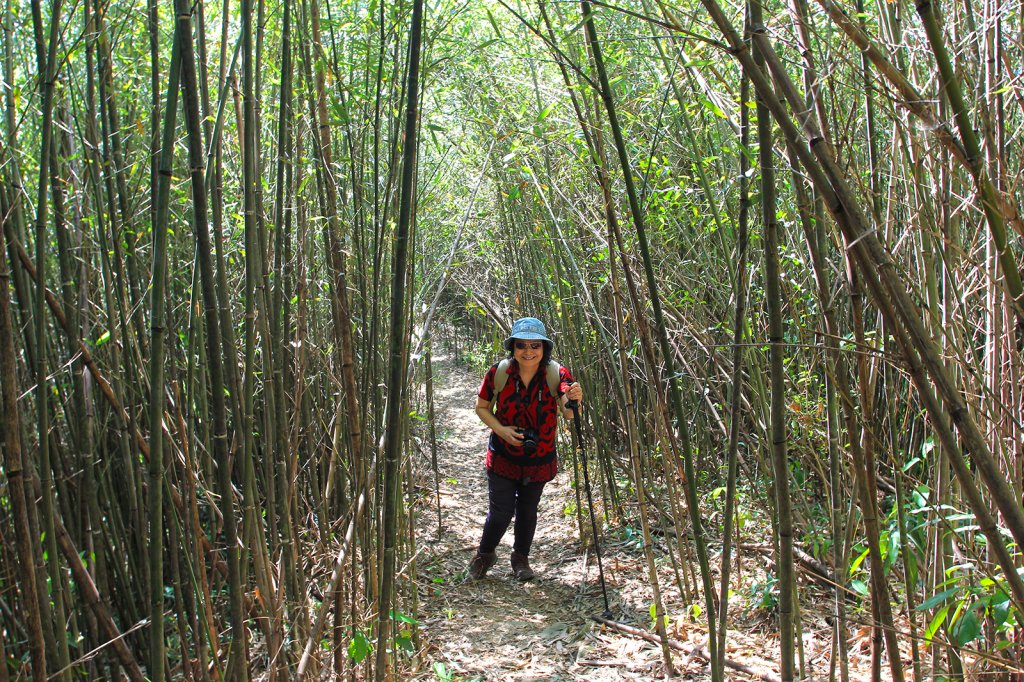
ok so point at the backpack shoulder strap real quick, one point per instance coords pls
(501, 376)
(553, 376)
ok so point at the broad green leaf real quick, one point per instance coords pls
(360, 647)
(1000, 612)
(441, 672)
(967, 629)
(858, 561)
(398, 615)
(936, 599)
(935, 624)
(404, 641)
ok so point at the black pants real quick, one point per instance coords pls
(508, 498)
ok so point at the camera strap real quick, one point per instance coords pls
(551, 380)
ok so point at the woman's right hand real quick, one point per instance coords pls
(509, 434)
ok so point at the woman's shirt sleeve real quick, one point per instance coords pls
(486, 391)
(565, 380)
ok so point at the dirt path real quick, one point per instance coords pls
(498, 628)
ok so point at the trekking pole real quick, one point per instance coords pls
(574, 406)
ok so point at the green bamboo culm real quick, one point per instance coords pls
(636, 468)
(158, 309)
(196, 160)
(674, 394)
(776, 353)
(13, 460)
(251, 268)
(287, 463)
(394, 418)
(214, 347)
(58, 657)
(247, 386)
(739, 326)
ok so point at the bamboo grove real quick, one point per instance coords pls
(779, 244)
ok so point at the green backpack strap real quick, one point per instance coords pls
(553, 373)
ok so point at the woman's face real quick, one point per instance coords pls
(528, 353)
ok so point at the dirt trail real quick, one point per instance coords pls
(498, 628)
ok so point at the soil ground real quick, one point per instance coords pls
(500, 629)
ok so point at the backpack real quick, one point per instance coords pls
(552, 373)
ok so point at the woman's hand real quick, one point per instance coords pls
(575, 392)
(509, 434)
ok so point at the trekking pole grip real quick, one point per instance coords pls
(574, 407)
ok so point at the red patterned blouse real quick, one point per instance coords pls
(524, 407)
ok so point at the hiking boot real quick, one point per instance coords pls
(481, 563)
(521, 567)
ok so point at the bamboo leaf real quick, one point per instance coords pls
(937, 599)
(967, 629)
(359, 647)
(935, 624)
(858, 561)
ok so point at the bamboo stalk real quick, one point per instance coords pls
(158, 303)
(675, 399)
(735, 415)
(14, 467)
(46, 58)
(394, 418)
(236, 667)
(783, 520)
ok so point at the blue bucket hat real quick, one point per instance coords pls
(528, 329)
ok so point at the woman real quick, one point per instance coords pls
(521, 408)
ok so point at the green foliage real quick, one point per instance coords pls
(653, 612)
(402, 631)
(763, 594)
(478, 356)
(963, 605)
(441, 672)
(633, 537)
(359, 647)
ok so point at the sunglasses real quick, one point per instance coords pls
(523, 345)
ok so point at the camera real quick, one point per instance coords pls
(530, 438)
